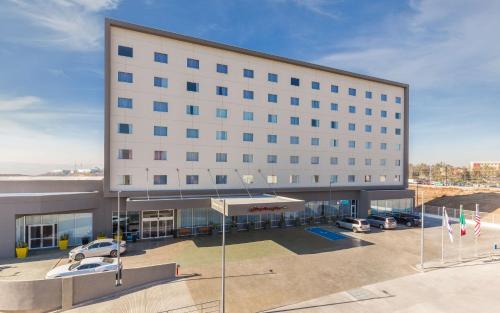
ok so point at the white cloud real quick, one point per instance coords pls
(19, 103)
(319, 7)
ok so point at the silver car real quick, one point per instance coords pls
(382, 222)
(100, 247)
(355, 224)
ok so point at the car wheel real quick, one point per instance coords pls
(79, 257)
(381, 226)
(113, 254)
(408, 224)
(354, 230)
(337, 225)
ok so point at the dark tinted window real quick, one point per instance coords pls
(125, 51)
(105, 244)
(363, 222)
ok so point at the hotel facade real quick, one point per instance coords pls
(196, 129)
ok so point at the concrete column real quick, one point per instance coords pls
(67, 293)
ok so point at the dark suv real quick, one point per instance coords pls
(407, 219)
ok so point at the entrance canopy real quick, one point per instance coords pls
(261, 204)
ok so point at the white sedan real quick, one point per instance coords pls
(86, 266)
(100, 247)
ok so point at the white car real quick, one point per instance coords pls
(100, 247)
(87, 266)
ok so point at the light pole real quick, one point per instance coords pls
(118, 235)
(147, 182)
(422, 235)
(223, 278)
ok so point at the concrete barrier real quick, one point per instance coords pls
(30, 296)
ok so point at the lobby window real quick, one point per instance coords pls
(368, 162)
(160, 155)
(160, 131)
(315, 104)
(334, 88)
(294, 120)
(247, 158)
(294, 140)
(398, 100)
(221, 91)
(383, 113)
(272, 158)
(221, 179)
(220, 157)
(192, 133)
(125, 154)
(125, 51)
(221, 135)
(160, 106)
(314, 122)
(352, 144)
(272, 77)
(383, 97)
(125, 103)
(294, 81)
(247, 73)
(315, 179)
(125, 180)
(221, 113)
(352, 109)
(192, 86)
(247, 179)
(397, 162)
(397, 131)
(192, 179)
(315, 160)
(192, 156)
(160, 179)
(161, 57)
(294, 101)
(315, 85)
(248, 94)
(294, 159)
(272, 118)
(248, 116)
(368, 128)
(351, 126)
(368, 178)
(125, 77)
(334, 143)
(314, 141)
(248, 137)
(334, 124)
(383, 162)
(272, 98)
(383, 130)
(272, 139)
(160, 82)
(124, 128)
(334, 160)
(382, 178)
(193, 63)
(334, 179)
(334, 106)
(221, 68)
(368, 111)
(368, 145)
(352, 92)
(383, 146)
(192, 109)
(397, 115)
(272, 179)
(294, 179)
(351, 178)
(368, 94)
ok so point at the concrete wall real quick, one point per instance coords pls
(30, 296)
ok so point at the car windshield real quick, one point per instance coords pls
(108, 260)
(391, 219)
(363, 222)
(74, 265)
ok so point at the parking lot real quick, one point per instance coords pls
(271, 268)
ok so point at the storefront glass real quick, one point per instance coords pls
(382, 207)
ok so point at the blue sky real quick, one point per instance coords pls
(51, 61)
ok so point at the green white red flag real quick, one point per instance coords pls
(463, 230)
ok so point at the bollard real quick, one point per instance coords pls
(178, 269)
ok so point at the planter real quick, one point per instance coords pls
(21, 253)
(63, 244)
(101, 237)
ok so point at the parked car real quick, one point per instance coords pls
(355, 224)
(100, 247)
(86, 266)
(407, 219)
(382, 222)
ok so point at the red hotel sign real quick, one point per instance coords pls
(263, 209)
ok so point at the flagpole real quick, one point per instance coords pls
(475, 235)
(442, 235)
(422, 235)
(460, 242)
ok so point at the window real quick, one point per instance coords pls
(315, 85)
(294, 120)
(192, 179)
(247, 179)
(160, 179)
(368, 145)
(221, 91)
(248, 94)
(294, 81)
(397, 177)
(334, 143)
(160, 155)
(351, 126)
(368, 111)
(193, 63)
(272, 77)
(272, 179)
(294, 159)
(352, 144)
(383, 130)
(221, 113)
(382, 178)
(368, 128)
(334, 88)
(334, 179)
(125, 154)
(383, 146)
(398, 100)
(294, 179)
(383, 97)
(272, 118)
(125, 77)
(397, 131)
(192, 109)
(398, 147)
(272, 158)
(272, 98)
(294, 140)
(294, 101)
(397, 115)
(124, 128)
(192, 133)
(368, 162)
(125, 103)
(351, 161)
(247, 73)
(352, 109)
(314, 141)
(192, 156)
(351, 178)
(315, 160)
(368, 178)
(247, 158)
(125, 51)
(334, 160)
(161, 57)
(221, 179)
(160, 82)
(383, 113)
(314, 122)
(397, 162)
(248, 137)
(383, 162)
(315, 104)
(221, 68)
(221, 135)
(125, 180)
(159, 106)
(334, 106)
(248, 116)
(220, 157)
(192, 86)
(272, 139)
(334, 124)
(160, 131)
(368, 94)
(315, 179)
(352, 92)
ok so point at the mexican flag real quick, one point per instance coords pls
(463, 231)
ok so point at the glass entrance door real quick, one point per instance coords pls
(41, 236)
(157, 224)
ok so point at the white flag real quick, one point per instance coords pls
(448, 225)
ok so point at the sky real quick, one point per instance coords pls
(448, 51)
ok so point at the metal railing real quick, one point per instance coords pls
(486, 217)
(204, 307)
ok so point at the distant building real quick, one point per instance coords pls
(476, 165)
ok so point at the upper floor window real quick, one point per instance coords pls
(334, 143)
(398, 100)
(247, 73)
(294, 140)
(294, 81)
(193, 63)
(222, 68)
(161, 57)
(192, 109)
(334, 160)
(192, 179)
(383, 113)
(160, 82)
(272, 179)
(352, 109)
(368, 94)
(248, 137)
(315, 85)
(125, 77)
(221, 135)
(125, 103)
(272, 118)
(368, 178)
(383, 162)
(368, 145)
(334, 88)
(334, 179)
(272, 98)
(351, 161)
(221, 113)
(247, 158)
(383, 130)
(352, 144)
(315, 104)
(160, 131)
(383, 97)
(192, 133)
(160, 179)
(125, 179)
(220, 157)
(272, 158)
(125, 154)
(314, 141)
(125, 51)
(192, 86)
(160, 106)
(294, 101)
(315, 179)
(314, 122)
(334, 106)
(248, 116)
(397, 115)
(272, 138)
(397, 131)
(294, 120)
(294, 179)
(315, 160)
(248, 94)
(221, 91)
(368, 111)
(351, 126)
(368, 128)
(221, 179)
(383, 146)
(124, 128)
(352, 91)
(351, 178)
(334, 124)
(294, 159)
(272, 77)
(368, 162)
(160, 155)
(397, 163)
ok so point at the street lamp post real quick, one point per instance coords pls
(223, 278)
(118, 235)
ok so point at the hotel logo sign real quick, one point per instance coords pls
(267, 209)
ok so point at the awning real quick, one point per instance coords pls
(261, 204)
